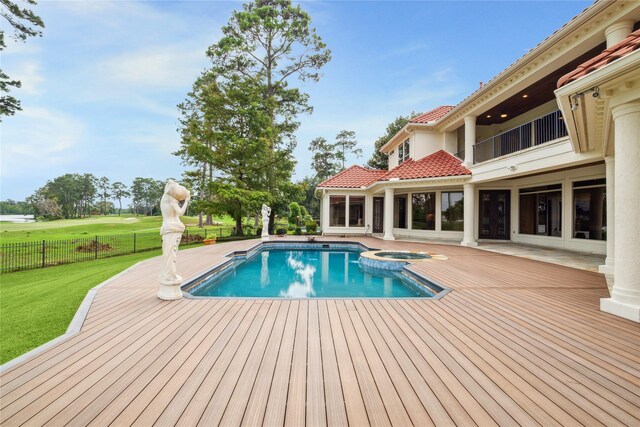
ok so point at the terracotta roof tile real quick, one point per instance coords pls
(624, 48)
(438, 164)
(432, 115)
(353, 177)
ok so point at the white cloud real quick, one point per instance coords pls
(163, 137)
(27, 148)
(440, 87)
(29, 74)
(166, 67)
(19, 47)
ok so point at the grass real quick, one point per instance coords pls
(37, 306)
(86, 227)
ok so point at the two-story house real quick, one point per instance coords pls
(546, 153)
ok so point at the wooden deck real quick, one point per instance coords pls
(517, 342)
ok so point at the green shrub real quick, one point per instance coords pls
(298, 231)
(312, 226)
(281, 231)
(294, 213)
(259, 231)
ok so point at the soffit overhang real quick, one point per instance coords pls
(583, 33)
(589, 122)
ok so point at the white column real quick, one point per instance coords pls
(607, 267)
(325, 217)
(469, 140)
(438, 211)
(368, 214)
(617, 32)
(469, 222)
(625, 296)
(346, 211)
(388, 214)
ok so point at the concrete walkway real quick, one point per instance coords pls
(582, 261)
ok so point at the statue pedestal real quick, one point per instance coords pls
(170, 290)
(265, 238)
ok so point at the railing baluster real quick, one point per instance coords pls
(535, 132)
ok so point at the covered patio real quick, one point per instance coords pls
(517, 341)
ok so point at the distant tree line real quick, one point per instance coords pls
(82, 195)
(12, 207)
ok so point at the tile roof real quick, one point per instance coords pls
(624, 48)
(438, 164)
(353, 177)
(432, 115)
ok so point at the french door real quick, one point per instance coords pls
(495, 214)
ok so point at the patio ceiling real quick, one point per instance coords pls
(535, 95)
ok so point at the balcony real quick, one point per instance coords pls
(536, 132)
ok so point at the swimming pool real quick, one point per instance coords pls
(313, 272)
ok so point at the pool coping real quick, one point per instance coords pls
(198, 278)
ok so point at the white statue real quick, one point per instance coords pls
(266, 211)
(171, 232)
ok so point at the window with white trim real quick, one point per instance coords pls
(590, 209)
(403, 152)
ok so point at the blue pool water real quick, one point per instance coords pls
(308, 273)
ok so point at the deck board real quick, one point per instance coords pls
(516, 341)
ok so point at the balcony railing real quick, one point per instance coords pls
(536, 132)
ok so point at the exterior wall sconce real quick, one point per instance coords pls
(594, 91)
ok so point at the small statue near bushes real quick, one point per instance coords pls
(266, 212)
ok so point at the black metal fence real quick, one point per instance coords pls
(45, 253)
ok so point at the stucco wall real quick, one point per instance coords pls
(393, 158)
(426, 143)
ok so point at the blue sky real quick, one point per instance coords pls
(100, 88)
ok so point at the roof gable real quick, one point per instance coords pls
(436, 165)
(432, 115)
(353, 177)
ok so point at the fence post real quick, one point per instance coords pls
(96, 247)
(44, 245)
(186, 239)
(134, 243)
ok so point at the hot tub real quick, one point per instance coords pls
(394, 260)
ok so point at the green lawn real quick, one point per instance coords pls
(38, 305)
(86, 227)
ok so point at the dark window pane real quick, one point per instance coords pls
(356, 211)
(541, 210)
(544, 188)
(590, 213)
(424, 211)
(590, 183)
(337, 207)
(400, 212)
(528, 214)
(452, 211)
